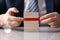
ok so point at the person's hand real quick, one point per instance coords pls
(52, 19)
(9, 20)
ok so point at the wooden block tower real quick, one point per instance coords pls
(31, 22)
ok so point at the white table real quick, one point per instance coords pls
(14, 35)
(37, 36)
(20, 35)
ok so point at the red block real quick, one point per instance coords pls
(31, 19)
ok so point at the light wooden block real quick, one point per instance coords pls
(31, 26)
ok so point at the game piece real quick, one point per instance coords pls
(32, 22)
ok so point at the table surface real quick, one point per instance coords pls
(20, 35)
(42, 29)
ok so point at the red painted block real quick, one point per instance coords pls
(31, 19)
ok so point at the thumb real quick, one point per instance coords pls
(11, 11)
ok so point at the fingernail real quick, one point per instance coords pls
(21, 19)
(17, 11)
(40, 18)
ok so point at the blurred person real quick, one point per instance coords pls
(12, 11)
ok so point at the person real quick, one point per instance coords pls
(15, 8)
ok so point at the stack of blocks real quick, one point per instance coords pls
(31, 26)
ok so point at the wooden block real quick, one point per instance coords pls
(31, 26)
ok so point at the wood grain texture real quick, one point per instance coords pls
(31, 26)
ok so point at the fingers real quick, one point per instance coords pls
(54, 24)
(11, 11)
(14, 21)
(14, 24)
(49, 20)
(13, 18)
(48, 16)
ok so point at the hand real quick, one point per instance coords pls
(9, 20)
(52, 19)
